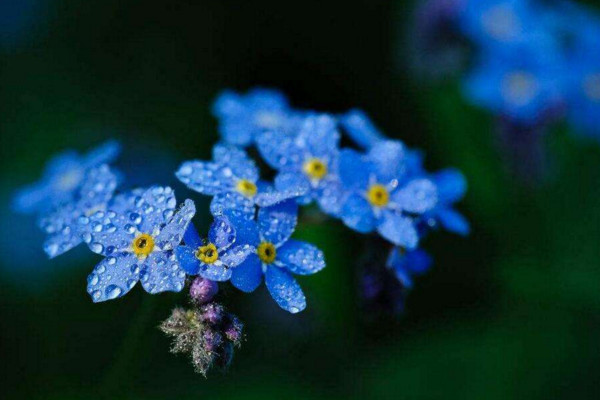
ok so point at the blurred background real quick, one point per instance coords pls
(510, 312)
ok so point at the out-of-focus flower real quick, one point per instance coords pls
(382, 196)
(138, 245)
(407, 264)
(307, 162)
(276, 256)
(451, 187)
(243, 116)
(62, 179)
(357, 124)
(227, 246)
(62, 224)
(208, 334)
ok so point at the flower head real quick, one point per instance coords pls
(62, 179)
(138, 245)
(243, 117)
(62, 224)
(307, 162)
(383, 196)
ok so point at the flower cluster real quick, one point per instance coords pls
(535, 62)
(144, 236)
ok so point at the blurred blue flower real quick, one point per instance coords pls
(62, 179)
(407, 264)
(360, 128)
(451, 187)
(214, 259)
(62, 224)
(307, 163)
(382, 195)
(243, 116)
(276, 256)
(138, 245)
(524, 83)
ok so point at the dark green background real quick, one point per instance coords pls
(511, 312)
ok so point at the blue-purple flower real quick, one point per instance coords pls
(382, 195)
(62, 224)
(62, 179)
(408, 264)
(277, 256)
(306, 162)
(243, 116)
(138, 245)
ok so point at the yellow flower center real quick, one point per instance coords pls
(143, 245)
(207, 254)
(591, 86)
(378, 195)
(266, 252)
(315, 168)
(246, 188)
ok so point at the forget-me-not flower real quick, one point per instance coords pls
(138, 245)
(62, 224)
(277, 256)
(214, 258)
(62, 178)
(451, 187)
(307, 162)
(243, 116)
(382, 196)
(407, 264)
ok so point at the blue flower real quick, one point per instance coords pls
(276, 256)
(523, 84)
(214, 259)
(138, 245)
(451, 187)
(62, 224)
(407, 264)
(62, 179)
(307, 162)
(382, 195)
(360, 128)
(242, 117)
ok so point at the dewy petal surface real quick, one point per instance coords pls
(277, 223)
(284, 289)
(107, 232)
(162, 273)
(418, 196)
(186, 255)
(230, 200)
(221, 233)
(156, 207)
(113, 277)
(300, 257)
(399, 230)
(172, 234)
(205, 177)
(357, 214)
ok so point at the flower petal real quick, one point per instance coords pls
(217, 272)
(278, 149)
(453, 221)
(205, 177)
(191, 237)
(451, 185)
(399, 230)
(357, 214)
(172, 234)
(237, 161)
(236, 254)
(62, 241)
(156, 207)
(277, 223)
(248, 275)
(354, 169)
(360, 128)
(107, 232)
(162, 273)
(221, 233)
(186, 255)
(389, 157)
(418, 196)
(235, 201)
(98, 187)
(113, 277)
(284, 289)
(103, 154)
(330, 195)
(300, 257)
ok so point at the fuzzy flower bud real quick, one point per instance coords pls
(203, 290)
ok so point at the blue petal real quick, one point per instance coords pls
(278, 149)
(191, 237)
(389, 158)
(124, 202)
(156, 207)
(451, 185)
(236, 254)
(62, 241)
(418, 196)
(300, 257)
(221, 233)
(354, 169)
(172, 234)
(360, 128)
(284, 289)
(409, 263)
(270, 196)
(103, 154)
(246, 231)
(108, 232)
(217, 272)
(186, 255)
(98, 187)
(399, 230)
(162, 273)
(113, 277)
(248, 275)
(318, 135)
(331, 195)
(31, 198)
(277, 223)
(226, 201)
(292, 183)
(357, 214)
(453, 221)
(205, 177)
(234, 161)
